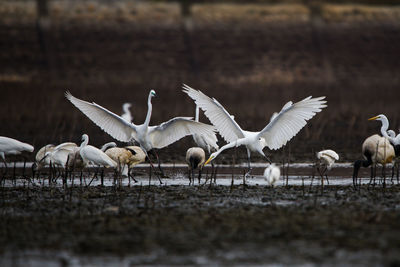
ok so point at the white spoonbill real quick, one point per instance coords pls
(148, 137)
(59, 155)
(327, 157)
(376, 150)
(41, 160)
(127, 113)
(10, 146)
(94, 155)
(272, 174)
(195, 158)
(282, 127)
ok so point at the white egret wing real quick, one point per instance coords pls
(290, 120)
(216, 113)
(171, 131)
(108, 121)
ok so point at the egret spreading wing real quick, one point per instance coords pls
(175, 129)
(216, 113)
(108, 121)
(290, 120)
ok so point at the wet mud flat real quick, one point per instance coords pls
(200, 224)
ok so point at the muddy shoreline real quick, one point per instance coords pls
(182, 224)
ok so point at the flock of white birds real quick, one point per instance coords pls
(282, 127)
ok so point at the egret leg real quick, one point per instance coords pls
(152, 167)
(159, 163)
(248, 164)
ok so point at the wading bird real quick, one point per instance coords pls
(376, 150)
(393, 139)
(148, 137)
(10, 146)
(58, 157)
(94, 155)
(195, 158)
(272, 174)
(40, 159)
(126, 158)
(282, 127)
(327, 158)
(127, 114)
(389, 134)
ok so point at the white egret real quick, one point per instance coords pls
(283, 127)
(94, 155)
(127, 114)
(395, 140)
(376, 150)
(195, 158)
(148, 137)
(327, 157)
(75, 160)
(389, 134)
(10, 146)
(272, 174)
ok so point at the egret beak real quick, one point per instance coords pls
(208, 161)
(373, 118)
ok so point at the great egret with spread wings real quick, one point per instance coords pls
(282, 127)
(148, 137)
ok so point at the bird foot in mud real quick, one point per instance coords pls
(161, 174)
(248, 174)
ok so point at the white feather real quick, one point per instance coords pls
(290, 120)
(10, 146)
(148, 137)
(216, 113)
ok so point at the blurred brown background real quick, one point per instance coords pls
(253, 56)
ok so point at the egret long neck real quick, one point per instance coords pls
(85, 141)
(197, 113)
(384, 128)
(149, 109)
(229, 145)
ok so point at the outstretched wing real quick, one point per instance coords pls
(108, 121)
(216, 113)
(171, 131)
(290, 120)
